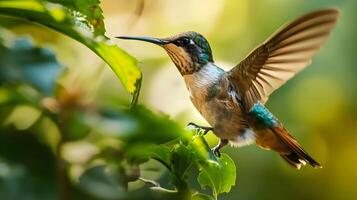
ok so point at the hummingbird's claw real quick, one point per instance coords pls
(222, 143)
(216, 151)
(205, 129)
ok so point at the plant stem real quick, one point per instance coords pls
(62, 178)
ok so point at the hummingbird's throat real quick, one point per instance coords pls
(182, 59)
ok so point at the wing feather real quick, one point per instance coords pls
(281, 56)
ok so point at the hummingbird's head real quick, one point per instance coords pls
(190, 51)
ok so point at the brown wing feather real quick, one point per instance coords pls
(284, 54)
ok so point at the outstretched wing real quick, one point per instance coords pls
(279, 58)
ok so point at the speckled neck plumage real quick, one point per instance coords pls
(185, 62)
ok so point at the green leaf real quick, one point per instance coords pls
(200, 196)
(163, 155)
(27, 166)
(77, 128)
(135, 97)
(139, 129)
(219, 176)
(182, 158)
(23, 117)
(12, 95)
(201, 148)
(101, 183)
(136, 125)
(89, 9)
(25, 63)
(59, 18)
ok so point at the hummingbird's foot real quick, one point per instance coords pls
(204, 128)
(222, 143)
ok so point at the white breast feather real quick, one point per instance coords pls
(246, 138)
(207, 75)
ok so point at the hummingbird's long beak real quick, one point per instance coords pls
(146, 39)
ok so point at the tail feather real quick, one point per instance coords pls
(297, 156)
(292, 160)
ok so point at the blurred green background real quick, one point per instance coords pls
(318, 106)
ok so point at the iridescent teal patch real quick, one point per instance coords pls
(204, 57)
(262, 115)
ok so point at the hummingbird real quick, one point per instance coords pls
(233, 101)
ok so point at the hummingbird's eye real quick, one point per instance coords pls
(186, 41)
